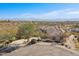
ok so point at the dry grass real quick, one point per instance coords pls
(8, 28)
(77, 45)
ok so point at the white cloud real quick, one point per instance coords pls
(74, 12)
(65, 13)
(28, 15)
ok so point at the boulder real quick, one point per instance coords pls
(55, 34)
(33, 40)
(75, 30)
(70, 42)
(20, 42)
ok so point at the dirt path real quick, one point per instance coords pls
(42, 49)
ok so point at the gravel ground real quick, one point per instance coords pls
(42, 49)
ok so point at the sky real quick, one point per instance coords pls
(51, 11)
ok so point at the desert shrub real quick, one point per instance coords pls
(76, 26)
(1, 45)
(77, 45)
(6, 38)
(26, 31)
(5, 20)
(43, 35)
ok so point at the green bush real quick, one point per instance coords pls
(1, 45)
(76, 26)
(6, 38)
(26, 31)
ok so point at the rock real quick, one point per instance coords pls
(42, 49)
(46, 40)
(55, 34)
(75, 30)
(14, 45)
(70, 42)
(20, 42)
(33, 40)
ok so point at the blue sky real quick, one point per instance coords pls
(39, 10)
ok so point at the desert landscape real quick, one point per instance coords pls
(39, 29)
(39, 38)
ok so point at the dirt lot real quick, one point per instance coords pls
(42, 49)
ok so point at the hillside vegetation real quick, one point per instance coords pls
(16, 30)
